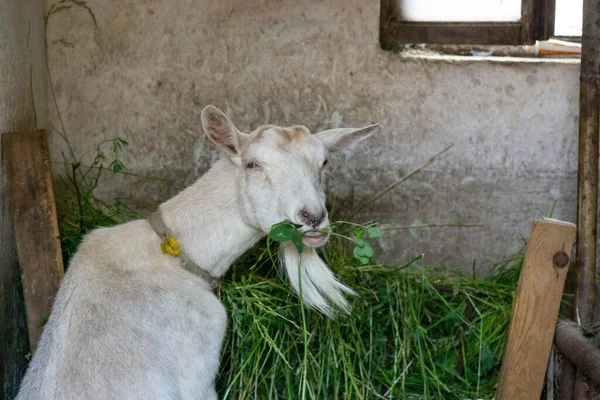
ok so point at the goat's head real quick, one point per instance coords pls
(280, 171)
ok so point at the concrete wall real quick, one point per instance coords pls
(149, 67)
(22, 108)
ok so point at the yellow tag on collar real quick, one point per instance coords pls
(170, 246)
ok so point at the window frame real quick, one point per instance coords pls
(537, 23)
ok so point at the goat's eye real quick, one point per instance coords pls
(251, 165)
(325, 162)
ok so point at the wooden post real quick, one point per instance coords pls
(33, 211)
(587, 189)
(589, 112)
(535, 310)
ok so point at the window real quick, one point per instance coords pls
(569, 17)
(478, 22)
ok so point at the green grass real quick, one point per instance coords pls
(401, 341)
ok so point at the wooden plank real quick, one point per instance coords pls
(14, 345)
(396, 32)
(587, 177)
(33, 211)
(547, 18)
(529, 21)
(535, 310)
(537, 17)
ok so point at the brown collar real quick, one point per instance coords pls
(158, 226)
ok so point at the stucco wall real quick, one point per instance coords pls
(22, 75)
(149, 67)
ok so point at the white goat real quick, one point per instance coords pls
(133, 322)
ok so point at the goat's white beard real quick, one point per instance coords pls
(320, 287)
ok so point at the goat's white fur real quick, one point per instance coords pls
(130, 322)
(317, 280)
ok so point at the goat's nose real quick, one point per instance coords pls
(310, 219)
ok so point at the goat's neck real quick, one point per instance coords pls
(207, 221)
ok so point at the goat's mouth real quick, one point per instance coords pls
(315, 238)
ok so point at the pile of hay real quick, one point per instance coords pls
(413, 333)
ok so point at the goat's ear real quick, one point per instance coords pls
(341, 139)
(220, 130)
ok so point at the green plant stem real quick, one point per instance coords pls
(354, 212)
(151, 178)
(342, 236)
(365, 225)
(78, 196)
(304, 330)
(433, 225)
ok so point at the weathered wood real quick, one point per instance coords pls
(589, 113)
(535, 310)
(578, 349)
(547, 19)
(529, 21)
(537, 19)
(13, 328)
(587, 188)
(492, 33)
(566, 389)
(33, 211)
(587, 199)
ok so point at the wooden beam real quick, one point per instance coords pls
(546, 19)
(578, 349)
(589, 114)
(14, 345)
(535, 310)
(33, 211)
(490, 33)
(528, 21)
(587, 187)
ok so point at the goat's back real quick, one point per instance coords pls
(127, 324)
